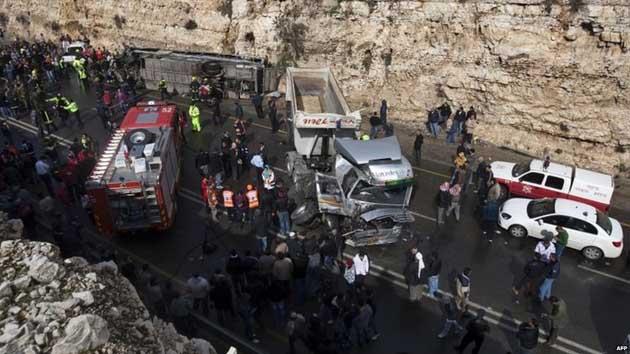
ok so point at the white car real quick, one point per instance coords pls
(74, 50)
(590, 231)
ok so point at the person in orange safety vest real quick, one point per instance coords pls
(252, 200)
(228, 201)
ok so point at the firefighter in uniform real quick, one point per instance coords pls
(228, 201)
(162, 86)
(195, 119)
(194, 88)
(252, 200)
(73, 108)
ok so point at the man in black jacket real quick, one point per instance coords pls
(528, 336)
(375, 125)
(460, 118)
(475, 332)
(443, 201)
(417, 147)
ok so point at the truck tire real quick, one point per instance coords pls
(139, 137)
(305, 213)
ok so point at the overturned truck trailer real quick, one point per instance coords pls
(360, 189)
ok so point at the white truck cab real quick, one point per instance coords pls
(74, 49)
(532, 180)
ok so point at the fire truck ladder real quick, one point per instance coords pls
(153, 209)
(110, 152)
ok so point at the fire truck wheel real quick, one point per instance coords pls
(139, 137)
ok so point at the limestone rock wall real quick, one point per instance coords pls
(543, 73)
(50, 305)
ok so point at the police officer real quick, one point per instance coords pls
(162, 86)
(59, 102)
(73, 108)
(195, 117)
(252, 201)
(79, 66)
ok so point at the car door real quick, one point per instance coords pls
(581, 233)
(549, 223)
(554, 187)
(530, 185)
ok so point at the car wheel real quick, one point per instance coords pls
(517, 231)
(592, 253)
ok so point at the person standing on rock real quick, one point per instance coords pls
(383, 112)
(460, 119)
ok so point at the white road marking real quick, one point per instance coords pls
(589, 269)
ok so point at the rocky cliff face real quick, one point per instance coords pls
(543, 73)
(49, 305)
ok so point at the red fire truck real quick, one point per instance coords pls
(134, 183)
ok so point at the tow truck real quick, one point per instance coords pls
(134, 183)
(359, 189)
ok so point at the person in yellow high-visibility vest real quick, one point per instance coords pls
(73, 108)
(79, 66)
(195, 119)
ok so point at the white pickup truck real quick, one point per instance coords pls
(74, 49)
(531, 180)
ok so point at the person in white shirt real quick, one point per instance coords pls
(199, 289)
(43, 172)
(361, 266)
(545, 248)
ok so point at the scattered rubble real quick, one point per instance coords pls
(69, 307)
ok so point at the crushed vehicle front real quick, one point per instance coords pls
(377, 182)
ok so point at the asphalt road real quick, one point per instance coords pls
(596, 294)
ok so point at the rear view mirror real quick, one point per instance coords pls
(539, 222)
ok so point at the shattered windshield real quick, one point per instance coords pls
(379, 194)
(519, 169)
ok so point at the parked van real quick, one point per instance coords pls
(531, 180)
